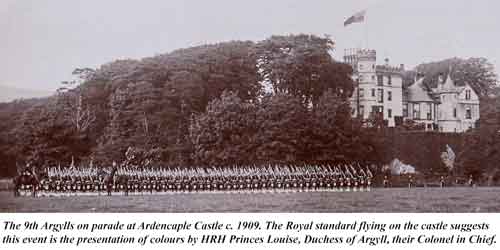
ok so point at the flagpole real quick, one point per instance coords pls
(366, 29)
(357, 18)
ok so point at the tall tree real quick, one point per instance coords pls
(302, 66)
(224, 134)
(283, 129)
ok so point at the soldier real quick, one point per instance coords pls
(88, 185)
(97, 186)
(68, 187)
(356, 184)
(341, 184)
(335, 183)
(348, 184)
(368, 183)
(385, 182)
(471, 181)
(442, 182)
(410, 181)
(45, 187)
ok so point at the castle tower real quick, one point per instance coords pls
(378, 90)
(361, 60)
(448, 114)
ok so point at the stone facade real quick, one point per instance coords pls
(379, 91)
(379, 88)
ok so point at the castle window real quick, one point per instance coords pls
(380, 80)
(380, 95)
(373, 77)
(360, 66)
(429, 111)
(389, 113)
(467, 94)
(373, 92)
(361, 92)
(377, 110)
(454, 112)
(468, 113)
(389, 96)
(405, 110)
(362, 111)
(416, 111)
(389, 79)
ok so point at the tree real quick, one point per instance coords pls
(329, 127)
(481, 152)
(151, 101)
(44, 137)
(301, 65)
(478, 72)
(282, 121)
(224, 134)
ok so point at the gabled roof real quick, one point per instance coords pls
(449, 84)
(467, 85)
(418, 93)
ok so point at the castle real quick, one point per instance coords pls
(380, 92)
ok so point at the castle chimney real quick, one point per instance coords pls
(402, 67)
(386, 61)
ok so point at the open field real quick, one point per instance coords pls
(378, 200)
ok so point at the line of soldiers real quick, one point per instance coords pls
(134, 180)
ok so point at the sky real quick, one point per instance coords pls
(42, 41)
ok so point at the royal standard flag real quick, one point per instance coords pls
(356, 18)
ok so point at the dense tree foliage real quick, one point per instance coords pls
(478, 72)
(481, 153)
(280, 128)
(225, 133)
(302, 66)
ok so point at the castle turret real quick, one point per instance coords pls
(361, 60)
(378, 88)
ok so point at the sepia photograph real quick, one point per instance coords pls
(287, 106)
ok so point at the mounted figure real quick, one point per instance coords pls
(27, 180)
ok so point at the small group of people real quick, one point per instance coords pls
(412, 183)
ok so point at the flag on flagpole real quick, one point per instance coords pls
(356, 18)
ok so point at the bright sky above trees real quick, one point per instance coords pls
(43, 41)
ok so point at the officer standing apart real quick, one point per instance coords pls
(442, 181)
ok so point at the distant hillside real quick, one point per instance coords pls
(8, 93)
